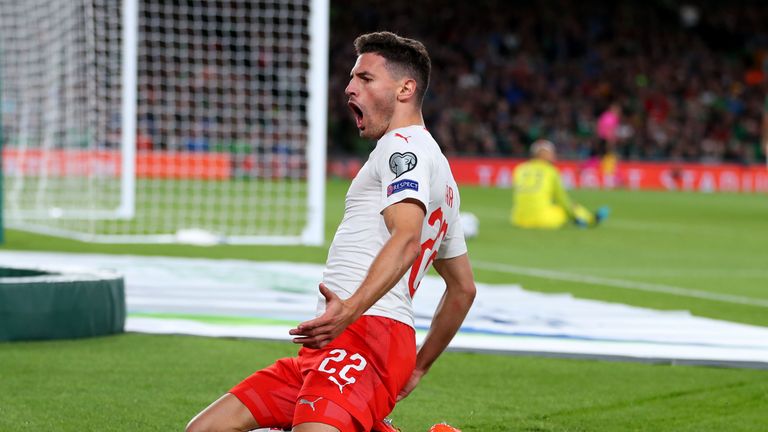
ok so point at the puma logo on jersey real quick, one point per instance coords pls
(406, 138)
(341, 386)
(310, 403)
(401, 163)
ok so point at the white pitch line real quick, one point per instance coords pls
(619, 283)
(701, 273)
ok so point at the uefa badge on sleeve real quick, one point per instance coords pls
(401, 163)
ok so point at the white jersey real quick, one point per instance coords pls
(406, 163)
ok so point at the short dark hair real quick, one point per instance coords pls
(404, 55)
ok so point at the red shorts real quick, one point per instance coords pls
(349, 384)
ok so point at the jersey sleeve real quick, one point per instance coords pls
(454, 243)
(404, 171)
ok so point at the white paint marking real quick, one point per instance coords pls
(619, 283)
(696, 273)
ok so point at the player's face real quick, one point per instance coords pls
(372, 94)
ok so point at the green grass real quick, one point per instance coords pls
(234, 206)
(710, 244)
(157, 383)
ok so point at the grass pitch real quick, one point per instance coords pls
(697, 252)
(157, 383)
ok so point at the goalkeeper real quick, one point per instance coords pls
(540, 201)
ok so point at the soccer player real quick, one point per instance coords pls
(401, 216)
(540, 200)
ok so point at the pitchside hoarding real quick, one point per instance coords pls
(626, 175)
(493, 172)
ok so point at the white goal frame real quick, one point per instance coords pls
(316, 118)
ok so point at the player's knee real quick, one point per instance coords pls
(207, 423)
(195, 426)
(201, 423)
(227, 414)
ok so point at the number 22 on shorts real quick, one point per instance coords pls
(355, 362)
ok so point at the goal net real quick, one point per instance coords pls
(165, 121)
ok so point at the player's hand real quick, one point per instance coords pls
(413, 381)
(318, 332)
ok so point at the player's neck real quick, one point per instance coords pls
(404, 118)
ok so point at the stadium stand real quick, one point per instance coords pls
(690, 78)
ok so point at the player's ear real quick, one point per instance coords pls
(407, 89)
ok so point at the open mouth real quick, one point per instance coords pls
(357, 112)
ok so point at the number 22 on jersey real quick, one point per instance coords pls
(355, 362)
(428, 250)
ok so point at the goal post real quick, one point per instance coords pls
(318, 120)
(129, 57)
(148, 121)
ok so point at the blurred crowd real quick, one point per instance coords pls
(655, 80)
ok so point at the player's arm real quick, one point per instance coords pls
(453, 308)
(561, 197)
(403, 220)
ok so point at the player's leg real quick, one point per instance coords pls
(552, 217)
(226, 414)
(321, 414)
(585, 218)
(582, 217)
(265, 399)
(520, 221)
(315, 427)
(352, 383)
